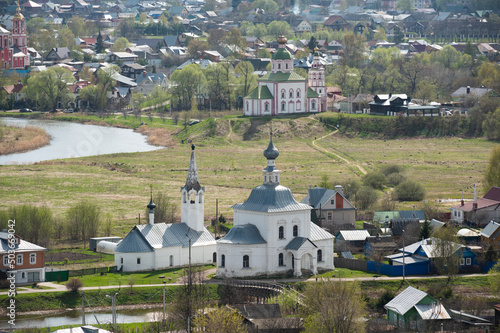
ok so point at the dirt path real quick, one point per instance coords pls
(359, 167)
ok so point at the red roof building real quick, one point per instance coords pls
(478, 212)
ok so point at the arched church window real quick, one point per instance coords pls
(283, 106)
(291, 93)
(246, 261)
(280, 260)
(171, 261)
(223, 261)
(313, 105)
(295, 230)
(320, 255)
(282, 93)
(214, 257)
(298, 93)
(286, 65)
(279, 66)
(281, 232)
(192, 198)
(266, 107)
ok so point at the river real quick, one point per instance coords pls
(74, 317)
(70, 140)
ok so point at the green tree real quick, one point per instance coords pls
(269, 6)
(196, 47)
(263, 53)
(312, 43)
(333, 306)
(189, 81)
(65, 38)
(220, 320)
(446, 251)
(166, 209)
(247, 79)
(120, 44)
(365, 197)
(426, 91)
(375, 180)
(34, 25)
(409, 190)
(83, 221)
(425, 230)
(99, 45)
(77, 26)
(380, 34)
(278, 28)
(494, 279)
(405, 5)
(491, 125)
(354, 50)
(50, 87)
(33, 223)
(492, 174)
(93, 97)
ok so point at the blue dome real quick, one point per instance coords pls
(271, 152)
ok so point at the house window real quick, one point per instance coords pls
(413, 324)
(6, 260)
(330, 216)
(462, 261)
(23, 275)
(138, 261)
(19, 259)
(401, 322)
(295, 230)
(281, 232)
(320, 256)
(280, 260)
(246, 261)
(332, 202)
(469, 261)
(223, 261)
(33, 258)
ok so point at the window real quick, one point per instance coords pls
(171, 261)
(279, 66)
(313, 105)
(298, 93)
(121, 261)
(281, 232)
(298, 105)
(295, 230)
(469, 261)
(266, 107)
(214, 257)
(247, 106)
(413, 324)
(320, 91)
(246, 261)
(33, 258)
(330, 216)
(320, 255)
(282, 94)
(6, 260)
(332, 202)
(283, 107)
(138, 261)
(291, 93)
(23, 275)
(286, 66)
(462, 261)
(223, 261)
(280, 260)
(19, 259)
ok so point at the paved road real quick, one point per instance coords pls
(61, 287)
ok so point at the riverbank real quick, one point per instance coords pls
(22, 139)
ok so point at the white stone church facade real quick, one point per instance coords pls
(164, 245)
(273, 233)
(285, 92)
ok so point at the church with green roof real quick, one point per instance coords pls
(285, 92)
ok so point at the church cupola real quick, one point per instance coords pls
(271, 174)
(151, 206)
(282, 60)
(192, 197)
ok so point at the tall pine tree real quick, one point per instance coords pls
(99, 45)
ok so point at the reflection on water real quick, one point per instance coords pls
(74, 318)
(76, 140)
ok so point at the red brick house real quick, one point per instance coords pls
(26, 260)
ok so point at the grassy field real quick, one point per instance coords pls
(230, 162)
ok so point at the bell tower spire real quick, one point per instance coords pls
(271, 174)
(193, 197)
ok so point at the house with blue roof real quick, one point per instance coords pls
(273, 233)
(162, 245)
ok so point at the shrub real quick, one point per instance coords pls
(392, 168)
(375, 180)
(394, 179)
(366, 197)
(385, 298)
(74, 284)
(409, 191)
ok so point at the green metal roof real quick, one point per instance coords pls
(311, 93)
(261, 92)
(282, 54)
(282, 77)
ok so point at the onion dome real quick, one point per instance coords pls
(271, 152)
(282, 40)
(151, 205)
(18, 14)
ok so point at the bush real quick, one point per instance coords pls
(385, 298)
(375, 180)
(394, 179)
(409, 191)
(392, 168)
(74, 284)
(366, 197)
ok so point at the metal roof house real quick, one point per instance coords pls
(414, 310)
(162, 245)
(273, 232)
(491, 235)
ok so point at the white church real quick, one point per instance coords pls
(273, 232)
(164, 245)
(285, 92)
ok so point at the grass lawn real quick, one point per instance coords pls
(344, 273)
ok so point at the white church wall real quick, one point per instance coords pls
(136, 261)
(234, 254)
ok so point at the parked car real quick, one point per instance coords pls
(68, 111)
(25, 110)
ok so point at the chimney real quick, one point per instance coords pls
(462, 201)
(339, 189)
(468, 90)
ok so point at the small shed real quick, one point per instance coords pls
(96, 240)
(347, 239)
(106, 247)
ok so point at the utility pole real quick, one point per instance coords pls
(216, 217)
(404, 254)
(164, 302)
(113, 306)
(83, 310)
